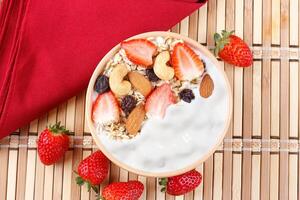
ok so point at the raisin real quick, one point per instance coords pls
(151, 75)
(102, 84)
(187, 95)
(128, 103)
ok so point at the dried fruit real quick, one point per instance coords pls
(117, 84)
(102, 84)
(187, 95)
(140, 83)
(161, 69)
(206, 86)
(151, 75)
(128, 103)
(135, 119)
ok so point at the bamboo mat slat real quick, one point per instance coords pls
(255, 173)
(274, 176)
(284, 102)
(228, 161)
(247, 109)
(266, 99)
(259, 157)
(208, 165)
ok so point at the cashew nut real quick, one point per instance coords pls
(161, 69)
(117, 84)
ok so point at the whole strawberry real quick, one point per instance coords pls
(52, 144)
(181, 184)
(93, 170)
(131, 190)
(233, 49)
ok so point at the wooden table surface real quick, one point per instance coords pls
(259, 158)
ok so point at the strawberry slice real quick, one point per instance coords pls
(159, 100)
(105, 109)
(186, 62)
(139, 51)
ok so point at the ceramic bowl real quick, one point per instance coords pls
(185, 138)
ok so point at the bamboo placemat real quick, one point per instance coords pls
(259, 158)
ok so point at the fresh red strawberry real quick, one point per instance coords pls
(131, 190)
(105, 108)
(159, 100)
(186, 62)
(52, 144)
(93, 170)
(181, 184)
(233, 49)
(139, 51)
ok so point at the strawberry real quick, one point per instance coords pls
(186, 62)
(159, 100)
(93, 170)
(131, 190)
(52, 143)
(139, 51)
(105, 108)
(181, 184)
(233, 49)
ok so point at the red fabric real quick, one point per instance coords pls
(49, 49)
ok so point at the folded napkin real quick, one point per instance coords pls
(49, 49)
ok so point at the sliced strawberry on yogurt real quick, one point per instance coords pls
(159, 100)
(139, 51)
(105, 109)
(186, 62)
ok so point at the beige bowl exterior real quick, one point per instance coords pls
(99, 69)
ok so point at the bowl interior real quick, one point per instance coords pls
(187, 135)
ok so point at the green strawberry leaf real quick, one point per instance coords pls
(57, 128)
(79, 181)
(88, 186)
(163, 182)
(217, 37)
(221, 40)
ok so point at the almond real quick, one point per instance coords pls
(135, 119)
(206, 86)
(140, 83)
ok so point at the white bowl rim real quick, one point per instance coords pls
(100, 68)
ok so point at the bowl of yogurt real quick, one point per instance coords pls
(158, 104)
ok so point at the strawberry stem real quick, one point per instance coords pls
(88, 186)
(57, 128)
(95, 188)
(221, 40)
(163, 182)
(80, 181)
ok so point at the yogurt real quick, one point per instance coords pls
(187, 133)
